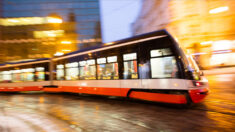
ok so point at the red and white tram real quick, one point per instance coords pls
(150, 67)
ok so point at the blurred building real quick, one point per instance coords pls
(203, 27)
(86, 14)
(36, 37)
(0, 8)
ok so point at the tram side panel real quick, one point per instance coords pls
(22, 86)
(160, 81)
(134, 79)
(151, 70)
(31, 76)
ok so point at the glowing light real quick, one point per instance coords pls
(49, 33)
(176, 84)
(176, 39)
(219, 9)
(41, 100)
(66, 50)
(222, 45)
(66, 42)
(58, 54)
(13, 20)
(110, 43)
(222, 51)
(54, 20)
(206, 42)
(199, 53)
(198, 84)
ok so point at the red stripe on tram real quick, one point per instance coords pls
(159, 97)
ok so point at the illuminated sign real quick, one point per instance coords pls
(60, 66)
(131, 56)
(74, 64)
(40, 68)
(90, 62)
(101, 60)
(82, 63)
(112, 59)
(28, 70)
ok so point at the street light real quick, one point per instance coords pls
(219, 9)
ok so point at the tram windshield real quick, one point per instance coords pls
(191, 65)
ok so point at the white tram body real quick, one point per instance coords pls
(150, 67)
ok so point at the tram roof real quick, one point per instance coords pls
(134, 38)
(23, 61)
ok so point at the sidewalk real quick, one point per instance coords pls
(226, 70)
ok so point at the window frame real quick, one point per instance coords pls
(68, 67)
(106, 63)
(129, 60)
(80, 78)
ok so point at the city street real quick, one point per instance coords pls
(42, 112)
(117, 66)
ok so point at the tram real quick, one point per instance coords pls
(148, 67)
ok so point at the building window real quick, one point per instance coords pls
(72, 71)
(130, 66)
(163, 65)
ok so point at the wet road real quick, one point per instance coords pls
(67, 113)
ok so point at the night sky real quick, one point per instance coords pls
(117, 17)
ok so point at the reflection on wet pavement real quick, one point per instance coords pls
(67, 113)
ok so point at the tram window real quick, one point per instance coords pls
(1, 79)
(101, 60)
(60, 72)
(163, 66)
(107, 71)
(16, 75)
(72, 71)
(6, 76)
(130, 66)
(112, 59)
(160, 52)
(87, 70)
(27, 74)
(40, 74)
